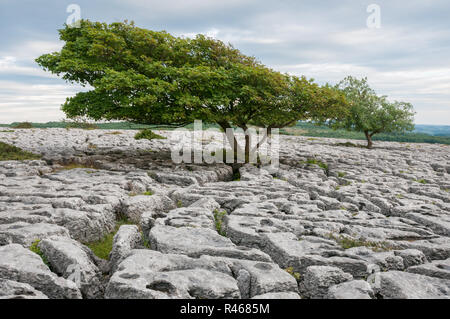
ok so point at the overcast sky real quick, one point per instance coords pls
(407, 58)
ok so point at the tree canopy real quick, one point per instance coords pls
(370, 113)
(152, 77)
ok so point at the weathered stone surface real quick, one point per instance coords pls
(125, 240)
(73, 261)
(150, 274)
(25, 234)
(355, 289)
(278, 295)
(404, 285)
(195, 242)
(437, 268)
(16, 290)
(20, 264)
(318, 279)
(371, 210)
(134, 207)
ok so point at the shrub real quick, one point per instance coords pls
(23, 125)
(148, 135)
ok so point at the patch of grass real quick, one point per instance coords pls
(8, 131)
(447, 190)
(347, 243)
(23, 125)
(236, 176)
(296, 275)
(341, 174)
(421, 181)
(399, 196)
(103, 247)
(218, 218)
(35, 249)
(179, 204)
(314, 161)
(13, 153)
(148, 135)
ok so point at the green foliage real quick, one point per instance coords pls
(341, 174)
(372, 114)
(23, 125)
(148, 135)
(35, 249)
(218, 218)
(421, 181)
(179, 204)
(13, 153)
(296, 275)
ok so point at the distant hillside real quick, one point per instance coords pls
(435, 130)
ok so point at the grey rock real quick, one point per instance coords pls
(355, 289)
(195, 242)
(411, 257)
(125, 240)
(22, 265)
(133, 207)
(278, 295)
(71, 260)
(318, 279)
(148, 274)
(16, 290)
(404, 285)
(437, 268)
(26, 234)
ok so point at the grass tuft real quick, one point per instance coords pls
(13, 153)
(35, 249)
(296, 275)
(218, 218)
(347, 243)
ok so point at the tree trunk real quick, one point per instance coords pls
(369, 139)
(231, 139)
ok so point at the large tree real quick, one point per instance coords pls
(153, 77)
(370, 113)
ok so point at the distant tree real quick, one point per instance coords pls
(372, 114)
(150, 77)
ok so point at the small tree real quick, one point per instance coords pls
(151, 77)
(372, 114)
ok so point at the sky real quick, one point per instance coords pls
(403, 51)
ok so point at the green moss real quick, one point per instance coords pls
(13, 153)
(35, 249)
(218, 218)
(113, 133)
(148, 135)
(103, 247)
